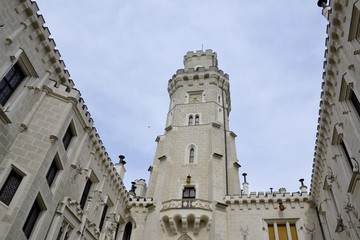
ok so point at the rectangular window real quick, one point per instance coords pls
(10, 82)
(85, 193)
(50, 176)
(65, 231)
(354, 32)
(69, 134)
(355, 102)
(103, 215)
(31, 219)
(189, 193)
(346, 153)
(282, 230)
(10, 186)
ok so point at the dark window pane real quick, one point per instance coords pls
(67, 137)
(103, 215)
(355, 101)
(191, 156)
(85, 193)
(9, 188)
(189, 192)
(347, 155)
(50, 176)
(191, 119)
(127, 232)
(10, 82)
(196, 119)
(31, 219)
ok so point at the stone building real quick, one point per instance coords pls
(58, 182)
(335, 185)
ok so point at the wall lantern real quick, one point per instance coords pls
(188, 179)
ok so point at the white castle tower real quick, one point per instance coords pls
(195, 164)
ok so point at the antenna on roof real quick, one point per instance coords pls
(202, 47)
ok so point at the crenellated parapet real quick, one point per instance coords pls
(134, 201)
(268, 200)
(211, 75)
(200, 58)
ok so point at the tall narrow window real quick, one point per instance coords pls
(346, 153)
(117, 230)
(85, 193)
(189, 193)
(355, 102)
(191, 120)
(10, 82)
(69, 134)
(103, 215)
(196, 119)
(127, 232)
(31, 219)
(10, 186)
(50, 176)
(354, 31)
(192, 155)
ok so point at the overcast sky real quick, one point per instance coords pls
(121, 54)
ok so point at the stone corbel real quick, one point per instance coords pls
(53, 138)
(172, 226)
(197, 226)
(184, 224)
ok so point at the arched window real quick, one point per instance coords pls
(192, 155)
(196, 119)
(127, 232)
(191, 120)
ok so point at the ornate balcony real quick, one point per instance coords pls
(179, 216)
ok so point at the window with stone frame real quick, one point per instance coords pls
(192, 155)
(354, 31)
(10, 186)
(282, 230)
(54, 168)
(65, 231)
(355, 102)
(33, 216)
(127, 231)
(10, 82)
(85, 194)
(103, 215)
(191, 120)
(349, 97)
(197, 119)
(346, 154)
(68, 136)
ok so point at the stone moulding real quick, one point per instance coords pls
(186, 203)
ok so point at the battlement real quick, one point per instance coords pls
(269, 200)
(139, 201)
(200, 59)
(212, 75)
